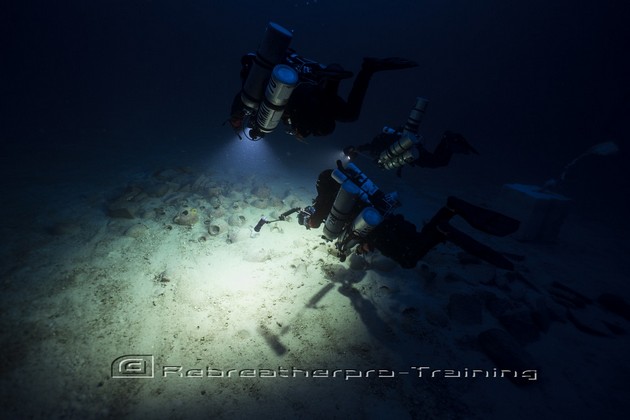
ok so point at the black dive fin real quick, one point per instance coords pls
(488, 221)
(474, 247)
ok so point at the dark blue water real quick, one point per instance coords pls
(530, 85)
(94, 90)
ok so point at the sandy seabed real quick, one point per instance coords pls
(113, 308)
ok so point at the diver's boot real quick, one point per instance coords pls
(474, 247)
(373, 64)
(488, 221)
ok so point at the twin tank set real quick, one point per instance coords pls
(269, 85)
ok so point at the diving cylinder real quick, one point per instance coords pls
(341, 210)
(370, 193)
(341, 177)
(362, 225)
(407, 157)
(402, 145)
(283, 81)
(367, 220)
(415, 116)
(271, 51)
(359, 178)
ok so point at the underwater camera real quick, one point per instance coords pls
(304, 216)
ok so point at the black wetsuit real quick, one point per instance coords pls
(315, 108)
(451, 143)
(399, 240)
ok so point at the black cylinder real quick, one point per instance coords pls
(260, 224)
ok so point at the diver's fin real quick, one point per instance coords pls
(488, 221)
(334, 73)
(390, 63)
(474, 247)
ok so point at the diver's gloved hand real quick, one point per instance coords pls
(391, 63)
(458, 144)
(304, 216)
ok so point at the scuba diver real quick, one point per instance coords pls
(360, 218)
(280, 85)
(393, 148)
(451, 143)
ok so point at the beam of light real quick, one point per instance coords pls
(325, 157)
(246, 157)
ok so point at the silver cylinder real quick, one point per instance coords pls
(403, 144)
(271, 52)
(338, 176)
(360, 179)
(415, 116)
(366, 221)
(362, 225)
(398, 161)
(341, 210)
(283, 81)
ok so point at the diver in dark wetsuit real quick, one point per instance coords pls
(451, 143)
(394, 148)
(360, 218)
(314, 109)
(399, 239)
(280, 85)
